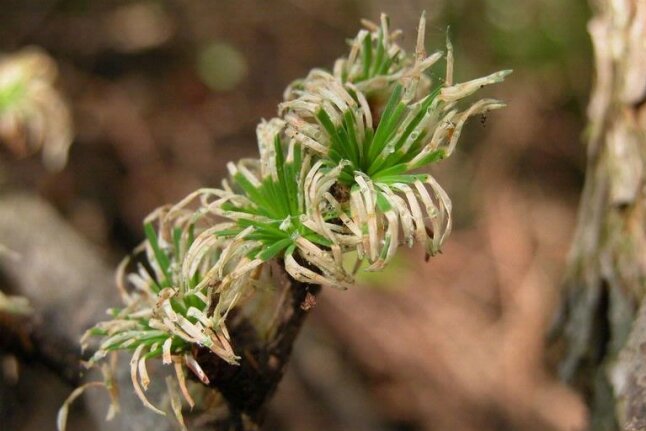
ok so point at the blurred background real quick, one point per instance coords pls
(164, 93)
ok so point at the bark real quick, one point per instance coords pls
(607, 268)
(32, 342)
(248, 387)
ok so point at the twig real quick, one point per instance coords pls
(247, 387)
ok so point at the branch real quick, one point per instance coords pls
(606, 270)
(247, 387)
(31, 341)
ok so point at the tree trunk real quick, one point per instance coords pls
(602, 328)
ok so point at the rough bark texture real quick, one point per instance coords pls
(248, 387)
(605, 284)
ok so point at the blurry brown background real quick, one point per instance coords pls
(164, 93)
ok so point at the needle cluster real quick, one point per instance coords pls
(338, 173)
